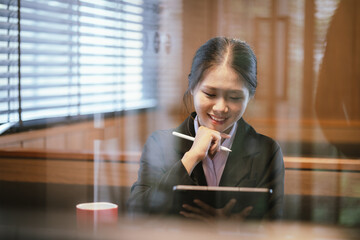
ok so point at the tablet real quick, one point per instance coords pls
(217, 197)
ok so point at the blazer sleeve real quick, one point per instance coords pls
(160, 169)
(275, 173)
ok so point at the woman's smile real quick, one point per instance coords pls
(217, 120)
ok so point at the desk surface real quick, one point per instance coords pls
(62, 225)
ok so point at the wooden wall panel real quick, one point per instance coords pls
(34, 143)
(322, 183)
(74, 141)
(68, 172)
(55, 142)
(134, 127)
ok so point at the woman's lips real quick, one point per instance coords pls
(217, 120)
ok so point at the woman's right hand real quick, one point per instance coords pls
(206, 213)
(207, 141)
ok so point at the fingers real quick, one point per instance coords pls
(206, 141)
(205, 212)
(192, 215)
(200, 211)
(224, 135)
(229, 206)
(214, 141)
(209, 211)
(241, 216)
(214, 148)
(205, 207)
(246, 212)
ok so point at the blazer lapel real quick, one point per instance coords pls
(239, 163)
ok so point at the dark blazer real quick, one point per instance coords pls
(255, 161)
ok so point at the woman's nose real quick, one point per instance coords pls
(220, 105)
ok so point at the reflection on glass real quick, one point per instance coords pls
(89, 83)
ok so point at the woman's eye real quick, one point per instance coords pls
(209, 94)
(236, 98)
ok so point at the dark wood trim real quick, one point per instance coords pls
(68, 154)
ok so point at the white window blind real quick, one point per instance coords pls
(67, 58)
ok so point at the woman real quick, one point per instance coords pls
(222, 82)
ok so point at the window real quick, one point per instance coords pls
(69, 58)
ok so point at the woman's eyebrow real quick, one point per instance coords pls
(242, 92)
(209, 88)
(229, 91)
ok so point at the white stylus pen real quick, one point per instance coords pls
(192, 139)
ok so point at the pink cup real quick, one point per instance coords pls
(96, 215)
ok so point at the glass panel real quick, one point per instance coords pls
(99, 91)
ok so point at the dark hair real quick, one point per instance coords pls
(235, 53)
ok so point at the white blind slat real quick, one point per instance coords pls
(76, 57)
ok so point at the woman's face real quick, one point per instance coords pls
(220, 99)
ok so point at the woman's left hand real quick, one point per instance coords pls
(206, 213)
